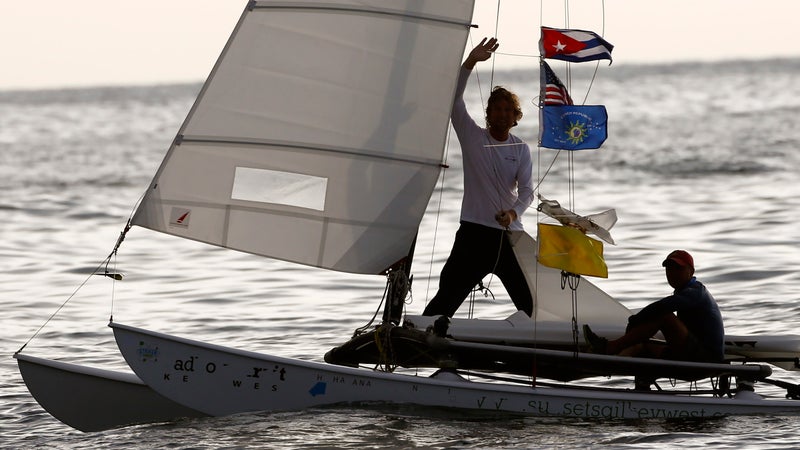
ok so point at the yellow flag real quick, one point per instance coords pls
(568, 249)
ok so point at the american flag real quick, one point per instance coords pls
(555, 92)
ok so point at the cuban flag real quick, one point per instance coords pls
(573, 45)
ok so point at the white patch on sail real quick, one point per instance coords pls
(285, 188)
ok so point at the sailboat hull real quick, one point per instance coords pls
(90, 399)
(219, 381)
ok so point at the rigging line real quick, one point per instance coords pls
(597, 64)
(574, 281)
(113, 290)
(513, 144)
(591, 82)
(571, 157)
(603, 15)
(496, 30)
(518, 55)
(547, 172)
(574, 182)
(123, 233)
(477, 74)
(95, 271)
(571, 178)
(471, 309)
(359, 10)
(362, 329)
(498, 181)
(541, 14)
(540, 180)
(438, 213)
(496, 261)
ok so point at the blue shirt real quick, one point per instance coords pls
(697, 309)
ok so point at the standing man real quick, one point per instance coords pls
(497, 190)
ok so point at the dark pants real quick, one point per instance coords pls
(479, 250)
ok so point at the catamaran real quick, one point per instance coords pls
(341, 183)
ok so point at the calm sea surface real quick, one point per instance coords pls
(704, 157)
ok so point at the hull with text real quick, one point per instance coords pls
(220, 381)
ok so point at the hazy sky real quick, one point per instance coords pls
(55, 43)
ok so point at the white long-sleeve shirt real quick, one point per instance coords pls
(497, 174)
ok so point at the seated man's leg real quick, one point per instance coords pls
(674, 331)
(671, 327)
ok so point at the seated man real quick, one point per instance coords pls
(695, 334)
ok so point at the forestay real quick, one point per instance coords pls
(319, 135)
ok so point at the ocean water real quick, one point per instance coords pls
(703, 157)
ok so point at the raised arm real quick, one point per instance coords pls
(481, 52)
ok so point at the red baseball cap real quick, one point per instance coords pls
(681, 257)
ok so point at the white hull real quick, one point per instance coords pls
(90, 399)
(220, 381)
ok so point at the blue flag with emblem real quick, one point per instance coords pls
(573, 127)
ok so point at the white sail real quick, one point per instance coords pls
(319, 135)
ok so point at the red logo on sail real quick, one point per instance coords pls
(179, 217)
